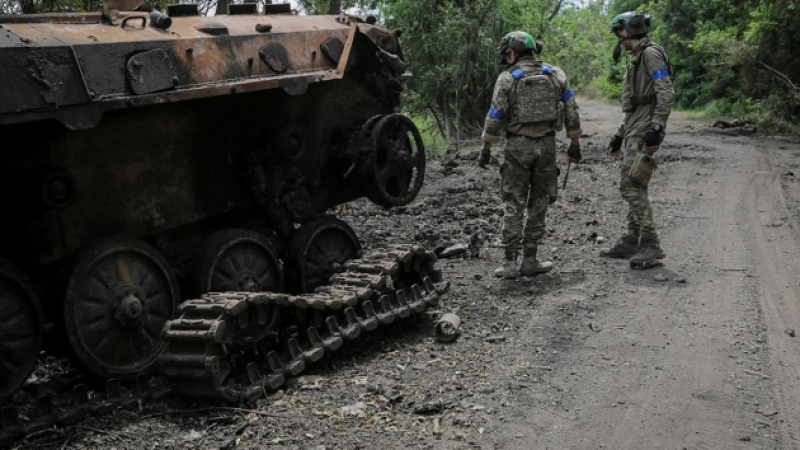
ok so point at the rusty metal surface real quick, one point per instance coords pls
(94, 60)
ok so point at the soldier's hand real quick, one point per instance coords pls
(615, 145)
(651, 141)
(574, 153)
(485, 157)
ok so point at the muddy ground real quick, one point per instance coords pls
(700, 353)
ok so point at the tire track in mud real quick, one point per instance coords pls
(777, 256)
(697, 366)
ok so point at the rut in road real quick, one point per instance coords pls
(777, 257)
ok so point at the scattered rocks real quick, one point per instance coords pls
(430, 407)
(790, 332)
(455, 250)
(358, 409)
(769, 411)
(661, 277)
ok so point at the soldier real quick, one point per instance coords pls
(531, 102)
(646, 101)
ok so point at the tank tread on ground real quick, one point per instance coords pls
(212, 351)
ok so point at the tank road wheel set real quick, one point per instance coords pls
(20, 329)
(120, 295)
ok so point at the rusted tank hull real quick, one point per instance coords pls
(157, 168)
(163, 157)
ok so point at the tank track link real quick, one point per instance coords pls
(213, 353)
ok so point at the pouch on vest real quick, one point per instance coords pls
(559, 124)
(642, 168)
(536, 99)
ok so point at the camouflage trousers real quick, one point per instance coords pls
(640, 213)
(529, 183)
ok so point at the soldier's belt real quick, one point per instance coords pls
(548, 134)
(637, 100)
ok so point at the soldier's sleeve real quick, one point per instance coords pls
(620, 129)
(497, 117)
(572, 120)
(656, 64)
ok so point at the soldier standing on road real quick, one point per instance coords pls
(647, 97)
(531, 102)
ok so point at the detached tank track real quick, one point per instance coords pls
(212, 354)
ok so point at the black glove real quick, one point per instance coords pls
(651, 138)
(574, 152)
(485, 157)
(615, 144)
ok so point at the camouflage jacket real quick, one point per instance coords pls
(499, 116)
(647, 93)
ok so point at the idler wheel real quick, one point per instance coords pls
(119, 296)
(395, 167)
(20, 329)
(318, 250)
(242, 261)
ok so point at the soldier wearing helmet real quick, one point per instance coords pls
(531, 102)
(647, 97)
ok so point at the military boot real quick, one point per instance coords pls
(531, 266)
(509, 269)
(625, 248)
(648, 255)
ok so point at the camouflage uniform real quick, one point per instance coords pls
(529, 180)
(647, 97)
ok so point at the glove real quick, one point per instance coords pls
(615, 144)
(574, 152)
(484, 159)
(651, 138)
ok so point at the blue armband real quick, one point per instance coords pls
(547, 70)
(517, 74)
(496, 114)
(660, 73)
(567, 95)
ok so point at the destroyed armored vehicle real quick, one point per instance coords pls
(152, 157)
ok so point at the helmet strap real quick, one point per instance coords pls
(617, 52)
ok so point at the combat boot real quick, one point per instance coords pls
(531, 266)
(648, 255)
(625, 248)
(509, 269)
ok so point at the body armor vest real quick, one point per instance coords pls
(535, 96)
(630, 98)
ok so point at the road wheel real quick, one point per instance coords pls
(119, 296)
(319, 250)
(20, 329)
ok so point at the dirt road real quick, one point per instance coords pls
(700, 353)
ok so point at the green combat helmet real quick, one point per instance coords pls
(635, 23)
(519, 41)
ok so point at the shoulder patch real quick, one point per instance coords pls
(517, 74)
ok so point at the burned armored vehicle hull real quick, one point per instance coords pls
(161, 156)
